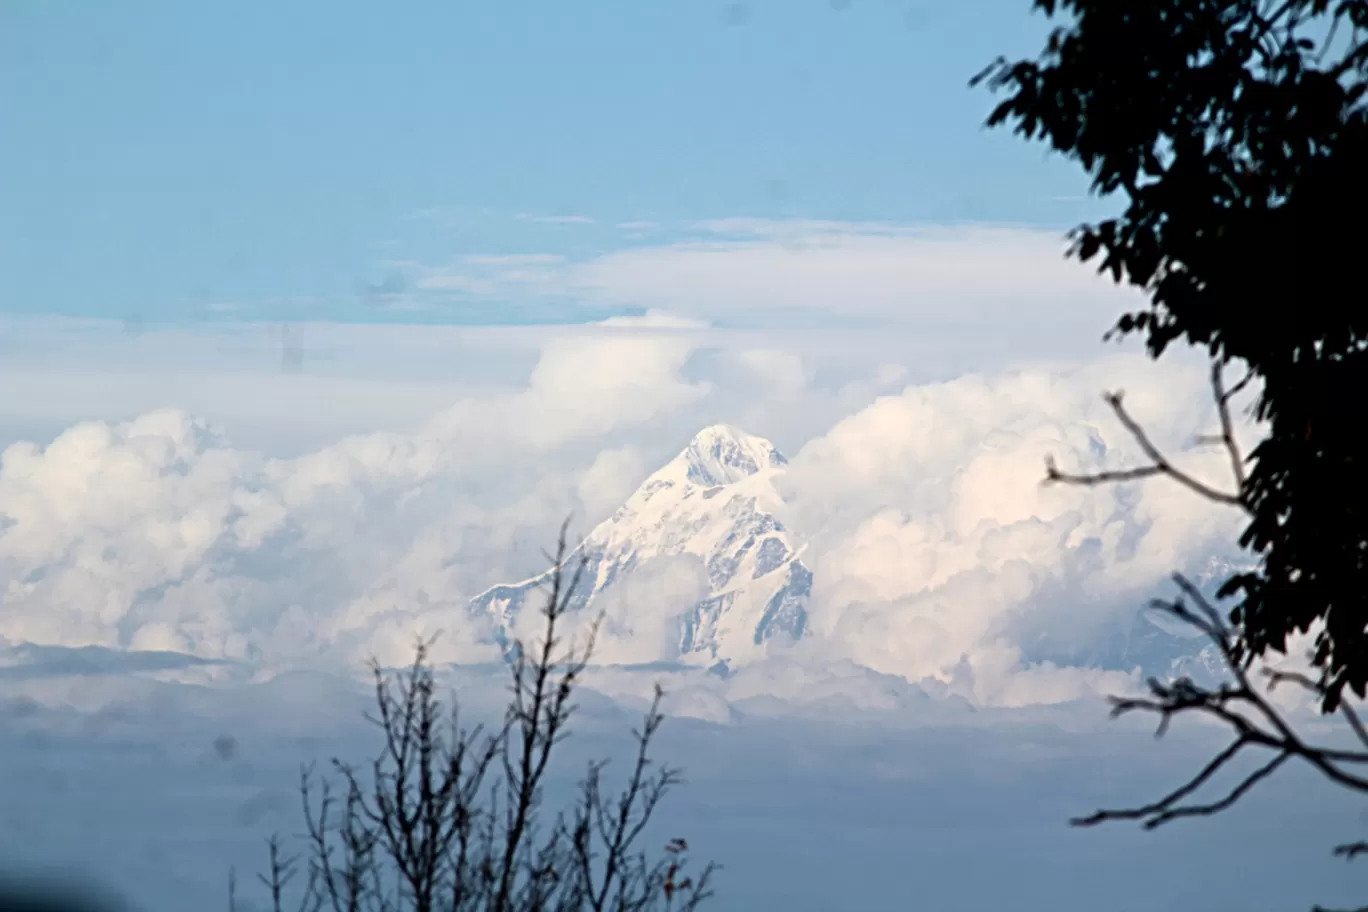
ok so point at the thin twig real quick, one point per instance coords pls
(1159, 463)
(453, 819)
(1223, 397)
(1255, 721)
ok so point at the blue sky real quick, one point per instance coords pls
(294, 160)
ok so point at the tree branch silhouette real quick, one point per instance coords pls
(1161, 465)
(455, 819)
(1240, 703)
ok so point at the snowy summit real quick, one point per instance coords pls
(714, 503)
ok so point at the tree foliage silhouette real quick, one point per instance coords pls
(1257, 725)
(1237, 133)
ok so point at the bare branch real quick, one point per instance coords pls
(1223, 397)
(1162, 806)
(538, 713)
(1350, 714)
(1351, 850)
(1254, 720)
(281, 871)
(1159, 463)
(452, 818)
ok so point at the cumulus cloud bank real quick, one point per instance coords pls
(938, 556)
(937, 551)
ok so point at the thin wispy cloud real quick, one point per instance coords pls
(512, 259)
(556, 219)
(987, 280)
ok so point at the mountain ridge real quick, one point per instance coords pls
(713, 506)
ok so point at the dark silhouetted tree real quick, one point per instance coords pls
(1237, 133)
(1256, 724)
(453, 818)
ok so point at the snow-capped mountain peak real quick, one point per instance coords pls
(712, 508)
(722, 454)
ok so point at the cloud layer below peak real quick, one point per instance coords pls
(937, 553)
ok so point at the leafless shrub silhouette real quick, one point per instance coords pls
(1240, 703)
(453, 818)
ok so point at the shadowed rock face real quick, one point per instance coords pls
(714, 502)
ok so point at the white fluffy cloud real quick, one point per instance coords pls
(155, 533)
(937, 553)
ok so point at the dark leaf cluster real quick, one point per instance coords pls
(1256, 724)
(1237, 133)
